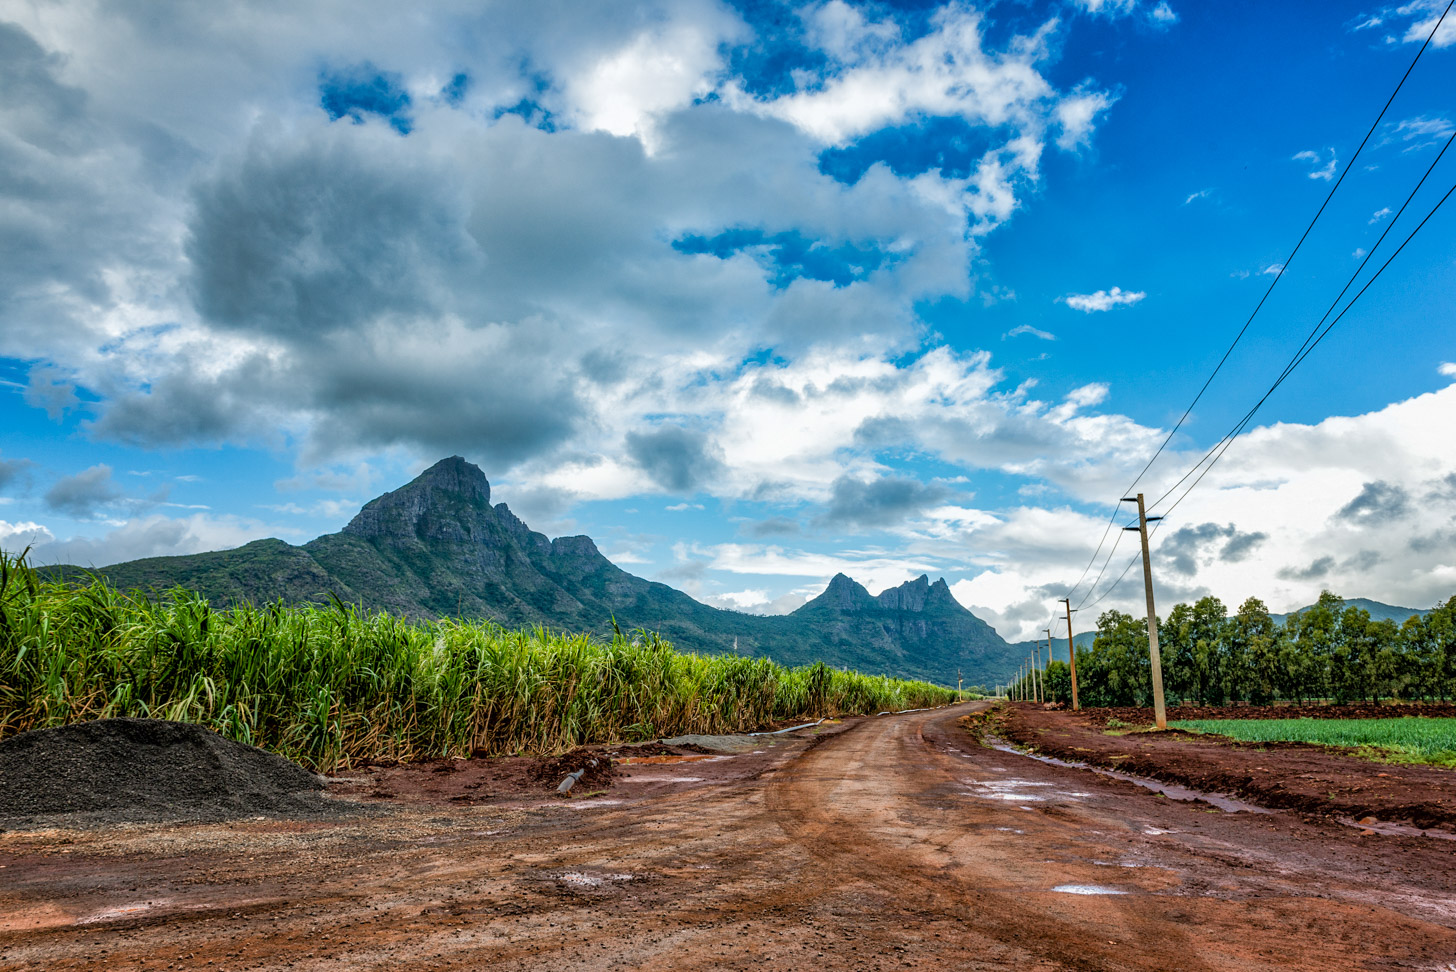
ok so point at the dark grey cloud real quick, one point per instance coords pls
(11, 470)
(1181, 550)
(81, 495)
(884, 502)
(1432, 542)
(675, 458)
(195, 404)
(1376, 502)
(1442, 490)
(770, 390)
(775, 526)
(1314, 571)
(885, 432)
(49, 389)
(1240, 545)
(1362, 560)
(42, 110)
(302, 239)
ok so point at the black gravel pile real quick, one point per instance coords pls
(136, 770)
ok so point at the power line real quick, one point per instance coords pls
(1290, 259)
(1277, 277)
(1315, 334)
(1217, 452)
(1228, 439)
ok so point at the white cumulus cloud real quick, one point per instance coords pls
(1103, 300)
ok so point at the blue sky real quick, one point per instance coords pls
(750, 293)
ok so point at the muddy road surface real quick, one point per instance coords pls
(896, 842)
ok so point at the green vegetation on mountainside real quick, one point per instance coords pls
(436, 548)
(331, 686)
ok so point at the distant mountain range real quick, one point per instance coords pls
(438, 548)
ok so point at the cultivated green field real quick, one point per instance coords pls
(328, 687)
(1414, 739)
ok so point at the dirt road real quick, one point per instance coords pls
(885, 843)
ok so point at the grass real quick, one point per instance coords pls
(1409, 739)
(328, 687)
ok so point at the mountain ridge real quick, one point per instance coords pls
(437, 547)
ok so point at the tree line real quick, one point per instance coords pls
(1328, 651)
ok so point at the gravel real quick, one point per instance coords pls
(145, 770)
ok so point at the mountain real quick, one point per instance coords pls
(436, 547)
(1379, 611)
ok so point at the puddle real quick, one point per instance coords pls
(1008, 790)
(1010, 830)
(1396, 830)
(1170, 790)
(644, 778)
(1085, 889)
(580, 880)
(119, 913)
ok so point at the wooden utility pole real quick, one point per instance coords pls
(1036, 673)
(1160, 714)
(1072, 652)
(960, 697)
(1049, 653)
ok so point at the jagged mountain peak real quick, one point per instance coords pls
(844, 593)
(919, 595)
(451, 489)
(454, 475)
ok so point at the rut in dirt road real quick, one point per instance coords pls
(882, 803)
(878, 844)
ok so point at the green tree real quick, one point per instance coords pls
(1252, 653)
(1058, 682)
(1118, 662)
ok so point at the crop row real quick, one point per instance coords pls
(329, 687)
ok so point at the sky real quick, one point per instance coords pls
(750, 292)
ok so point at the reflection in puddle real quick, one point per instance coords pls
(1085, 889)
(1171, 790)
(120, 912)
(581, 880)
(1396, 830)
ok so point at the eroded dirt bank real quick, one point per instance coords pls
(1292, 776)
(885, 843)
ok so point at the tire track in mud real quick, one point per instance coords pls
(893, 764)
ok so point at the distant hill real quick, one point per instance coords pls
(436, 547)
(1378, 611)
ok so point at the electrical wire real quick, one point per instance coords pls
(1305, 353)
(1290, 259)
(1238, 337)
(1315, 335)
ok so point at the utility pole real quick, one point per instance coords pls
(960, 697)
(1160, 714)
(1049, 650)
(1072, 651)
(1036, 672)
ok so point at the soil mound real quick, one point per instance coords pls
(123, 770)
(599, 771)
